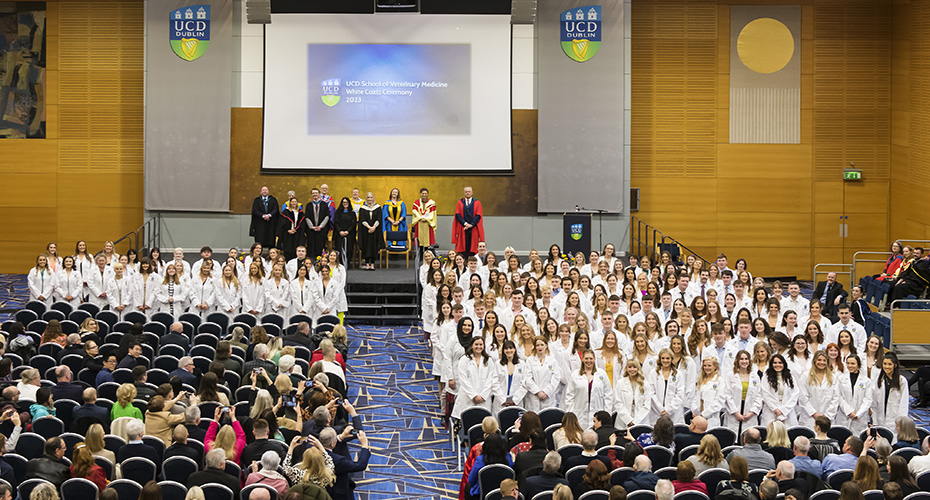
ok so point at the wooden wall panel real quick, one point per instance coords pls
(770, 202)
(85, 180)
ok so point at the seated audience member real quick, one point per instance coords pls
(777, 443)
(684, 479)
(846, 460)
(756, 457)
(44, 405)
(83, 466)
(185, 371)
(794, 494)
(696, 431)
(132, 356)
(266, 472)
(569, 433)
(64, 389)
(768, 490)
(642, 478)
(920, 464)
(530, 461)
(224, 351)
(254, 451)
(180, 448)
(260, 360)
(301, 336)
(96, 444)
(589, 452)
(343, 488)
(617, 493)
(135, 447)
(192, 421)
(596, 477)
(106, 373)
(140, 379)
(665, 490)
(898, 473)
(801, 461)
(509, 489)
(215, 472)
(44, 491)
(892, 491)
(784, 476)
(905, 430)
(604, 427)
(851, 491)
(823, 445)
(708, 456)
(225, 432)
(175, 336)
(159, 421)
(739, 479)
(866, 474)
(123, 406)
(50, 466)
(29, 383)
(90, 410)
(562, 492)
(548, 479)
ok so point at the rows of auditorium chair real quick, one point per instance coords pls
(663, 460)
(877, 293)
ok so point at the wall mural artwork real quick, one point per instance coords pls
(22, 70)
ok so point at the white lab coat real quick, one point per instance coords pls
(302, 297)
(786, 403)
(179, 293)
(182, 265)
(444, 331)
(69, 284)
(708, 400)
(474, 379)
(202, 292)
(632, 404)
(734, 402)
(84, 268)
(325, 298)
(517, 388)
(666, 397)
(882, 414)
(545, 376)
(227, 296)
(253, 296)
(143, 293)
(277, 296)
(453, 353)
(619, 364)
(583, 403)
(41, 284)
(338, 274)
(854, 398)
(689, 376)
(428, 308)
(119, 293)
(816, 397)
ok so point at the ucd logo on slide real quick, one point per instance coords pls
(189, 28)
(581, 32)
(330, 92)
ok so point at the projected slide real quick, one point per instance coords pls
(389, 89)
(392, 94)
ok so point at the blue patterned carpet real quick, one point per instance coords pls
(13, 294)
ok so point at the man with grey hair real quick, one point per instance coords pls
(215, 472)
(343, 488)
(266, 472)
(546, 480)
(73, 346)
(784, 475)
(768, 490)
(192, 422)
(300, 337)
(664, 490)
(322, 418)
(801, 461)
(287, 365)
(756, 457)
(642, 478)
(589, 440)
(175, 336)
(260, 360)
(135, 429)
(185, 371)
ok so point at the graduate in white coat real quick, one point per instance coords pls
(172, 292)
(144, 288)
(326, 294)
(302, 296)
(119, 292)
(69, 287)
(588, 391)
(277, 292)
(667, 385)
(511, 375)
(819, 391)
(97, 282)
(742, 394)
(855, 390)
(890, 394)
(338, 272)
(202, 291)
(632, 396)
(253, 290)
(453, 351)
(542, 377)
(610, 358)
(228, 292)
(476, 379)
(780, 392)
(41, 281)
(709, 396)
(183, 266)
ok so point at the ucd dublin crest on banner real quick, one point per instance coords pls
(581, 32)
(576, 230)
(330, 94)
(189, 31)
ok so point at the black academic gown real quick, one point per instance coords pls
(264, 231)
(288, 242)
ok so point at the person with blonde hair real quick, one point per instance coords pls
(95, 443)
(229, 438)
(777, 441)
(708, 456)
(562, 492)
(29, 383)
(667, 388)
(123, 406)
(632, 396)
(195, 493)
(709, 398)
(44, 491)
(819, 391)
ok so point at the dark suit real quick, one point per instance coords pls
(93, 411)
(185, 376)
(311, 428)
(127, 362)
(211, 475)
(67, 390)
(641, 480)
(860, 309)
(175, 338)
(687, 439)
(263, 231)
(343, 488)
(138, 450)
(585, 460)
(603, 435)
(184, 450)
(317, 215)
(836, 290)
(253, 451)
(916, 278)
(528, 460)
(298, 339)
(542, 482)
(196, 432)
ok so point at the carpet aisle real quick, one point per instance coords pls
(391, 385)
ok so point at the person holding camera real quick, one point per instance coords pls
(220, 434)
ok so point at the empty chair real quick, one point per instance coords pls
(18, 463)
(64, 409)
(328, 319)
(139, 469)
(155, 442)
(26, 316)
(551, 416)
(127, 489)
(569, 451)
(109, 317)
(508, 416)
(687, 451)
(113, 442)
(53, 314)
(837, 478)
(490, 476)
(163, 318)
(175, 351)
(725, 436)
(70, 440)
(166, 362)
(639, 495)
(179, 469)
(907, 453)
(218, 318)
(78, 316)
(78, 489)
(543, 495)
(63, 307)
(122, 376)
(670, 473)
(660, 456)
(192, 318)
(575, 474)
(210, 329)
(691, 495)
(873, 495)
(205, 339)
(93, 309)
(203, 351)
(30, 445)
(172, 490)
(214, 491)
(712, 477)
(156, 328)
(297, 318)
(48, 427)
(26, 487)
(43, 362)
(233, 469)
(68, 327)
(157, 376)
(826, 495)
(619, 476)
(800, 430)
(323, 328)
(247, 319)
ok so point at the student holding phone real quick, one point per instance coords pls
(220, 434)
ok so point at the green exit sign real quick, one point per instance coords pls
(852, 174)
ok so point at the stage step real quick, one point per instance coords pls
(383, 297)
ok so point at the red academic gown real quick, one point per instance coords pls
(473, 216)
